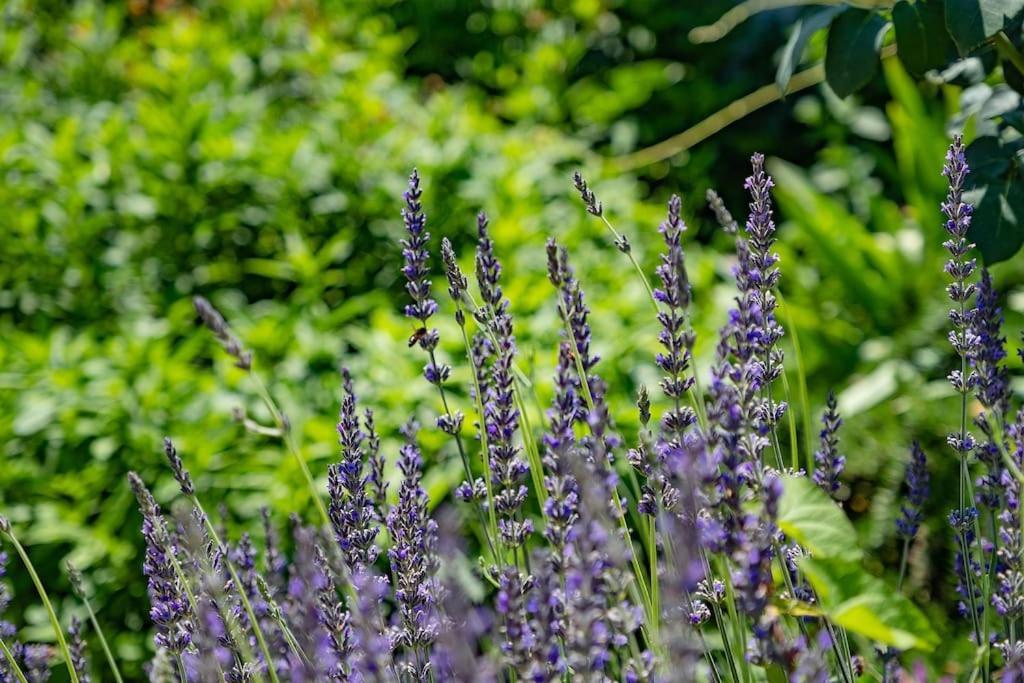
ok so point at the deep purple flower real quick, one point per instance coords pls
(351, 508)
(501, 417)
(761, 273)
(415, 251)
(959, 268)
(992, 382)
(917, 479)
(828, 463)
(412, 553)
(169, 607)
(561, 506)
(676, 335)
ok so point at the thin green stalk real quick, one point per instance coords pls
(632, 259)
(588, 397)
(462, 455)
(54, 622)
(13, 662)
(652, 561)
(291, 446)
(484, 451)
(181, 667)
(103, 640)
(532, 453)
(903, 564)
(735, 621)
(794, 457)
(801, 378)
(246, 605)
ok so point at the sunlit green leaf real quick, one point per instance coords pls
(863, 604)
(813, 520)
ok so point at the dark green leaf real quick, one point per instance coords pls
(921, 36)
(863, 604)
(995, 189)
(802, 32)
(813, 520)
(851, 57)
(972, 22)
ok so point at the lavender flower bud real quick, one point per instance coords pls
(589, 199)
(911, 513)
(676, 336)
(412, 554)
(181, 474)
(643, 405)
(77, 647)
(414, 250)
(457, 282)
(722, 214)
(992, 381)
(828, 464)
(351, 510)
(169, 605)
(215, 322)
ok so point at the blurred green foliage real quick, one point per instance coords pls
(255, 151)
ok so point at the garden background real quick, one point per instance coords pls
(255, 151)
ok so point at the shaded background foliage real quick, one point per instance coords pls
(254, 151)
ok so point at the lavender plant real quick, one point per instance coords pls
(688, 553)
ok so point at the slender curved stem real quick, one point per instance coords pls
(291, 446)
(54, 621)
(246, 605)
(14, 663)
(725, 117)
(103, 641)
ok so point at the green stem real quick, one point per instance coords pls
(903, 564)
(103, 641)
(484, 451)
(462, 455)
(246, 605)
(14, 664)
(632, 259)
(291, 446)
(54, 622)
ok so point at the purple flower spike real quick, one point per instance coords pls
(676, 335)
(169, 607)
(412, 553)
(501, 417)
(828, 463)
(992, 382)
(911, 513)
(351, 509)
(416, 254)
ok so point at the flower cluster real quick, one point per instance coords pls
(683, 565)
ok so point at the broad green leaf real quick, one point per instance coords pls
(813, 520)
(996, 191)
(851, 56)
(802, 32)
(972, 22)
(921, 36)
(863, 604)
